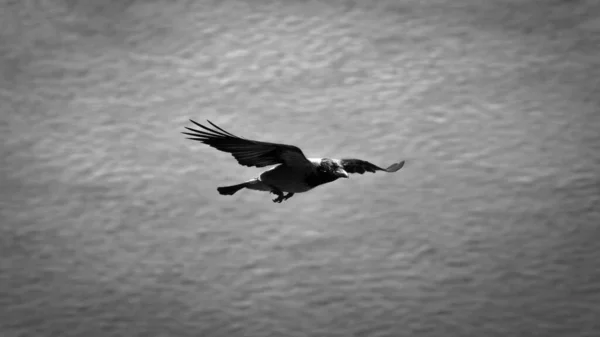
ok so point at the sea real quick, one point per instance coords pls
(111, 224)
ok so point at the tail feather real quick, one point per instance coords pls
(230, 190)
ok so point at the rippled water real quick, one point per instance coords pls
(112, 226)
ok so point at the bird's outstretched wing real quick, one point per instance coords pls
(362, 166)
(248, 152)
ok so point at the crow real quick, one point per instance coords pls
(293, 173)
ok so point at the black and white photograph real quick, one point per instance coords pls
(299, 168)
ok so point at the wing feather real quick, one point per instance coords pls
(247, 152)
(361, 166)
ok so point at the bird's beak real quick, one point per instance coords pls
(341, 173)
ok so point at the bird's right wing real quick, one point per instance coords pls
(248, 152)
(361, 166)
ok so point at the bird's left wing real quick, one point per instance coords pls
(248, 152)
(361, 166)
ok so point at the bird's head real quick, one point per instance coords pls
(333, 168)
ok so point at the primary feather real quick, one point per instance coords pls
(248, 152)
(361, 166)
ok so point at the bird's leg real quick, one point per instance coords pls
(277, 191)
(279, 198)
(287, 196)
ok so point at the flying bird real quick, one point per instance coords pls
(293, 171)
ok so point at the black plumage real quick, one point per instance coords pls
(246, 152)
(361, 166)
(293, 173)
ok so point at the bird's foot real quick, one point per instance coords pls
(280, 196)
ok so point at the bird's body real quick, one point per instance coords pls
(286, 178)
(292, 173)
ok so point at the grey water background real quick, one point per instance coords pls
(110, 220)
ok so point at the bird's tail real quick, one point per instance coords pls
(230, 190)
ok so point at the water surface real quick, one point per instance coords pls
(111, 223)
